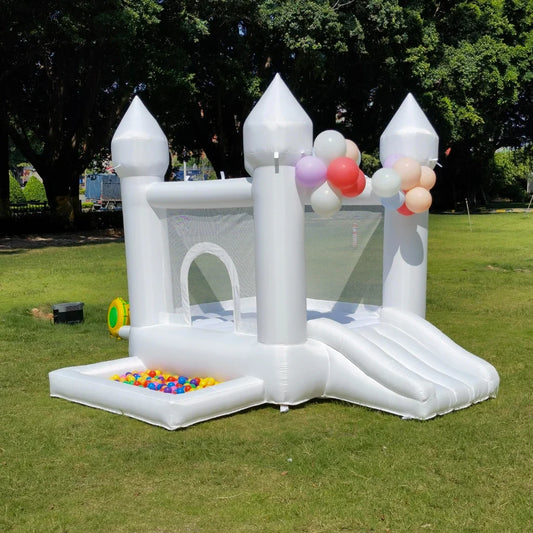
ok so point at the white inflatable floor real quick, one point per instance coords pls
(381, 358)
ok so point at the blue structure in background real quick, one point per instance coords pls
(103, 190)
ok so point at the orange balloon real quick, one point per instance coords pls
(418, 199)
(428, 178)
(342, 173)
(409, 171)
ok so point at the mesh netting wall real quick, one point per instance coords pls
(344, 254)
(232, 230)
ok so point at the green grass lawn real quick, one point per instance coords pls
(326, 466)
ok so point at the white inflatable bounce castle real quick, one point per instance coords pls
(241, 280)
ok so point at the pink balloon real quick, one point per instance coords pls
(310, 171)
(418, 199)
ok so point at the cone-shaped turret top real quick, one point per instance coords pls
(277, 124)
(409, 133)
(139, 146)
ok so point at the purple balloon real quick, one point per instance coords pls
(394, 202)
(310, 171)
(389, 162)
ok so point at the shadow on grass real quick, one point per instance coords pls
(21, 244)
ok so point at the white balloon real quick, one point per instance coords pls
(329, 145)
(386, 182)
(325, 200)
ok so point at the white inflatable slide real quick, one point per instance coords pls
(403, 365)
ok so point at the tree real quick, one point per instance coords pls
(16, 196)
(230, 51)
(67, 69)
(473, 68)
(34, 191)
(200, 66)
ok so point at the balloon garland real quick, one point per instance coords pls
(403, 184)
(331, 172)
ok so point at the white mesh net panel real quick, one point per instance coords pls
(344, 254)
(232, 230)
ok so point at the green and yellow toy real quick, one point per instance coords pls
(118, 315)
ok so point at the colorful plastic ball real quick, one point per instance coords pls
(179, 390)
(310, 171)
(325, 200)
(409, 171)
(352, 151)
(386, 182)
(187, 388)
(428, 178)
(182, 380)
(329, 145)
(152, 373)
(418, 200)
(394, 202)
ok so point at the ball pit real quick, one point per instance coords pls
(157, 380)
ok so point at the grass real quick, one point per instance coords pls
(324, 467)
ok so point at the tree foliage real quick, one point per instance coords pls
(16, 196)
(70, 68)
(34, 191)
(67, 69)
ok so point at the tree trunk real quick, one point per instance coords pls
(62, 194)
(4, 163)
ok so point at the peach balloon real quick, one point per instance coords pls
(418, 199)
(409, 171)
(428, 178)
(352, 151)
